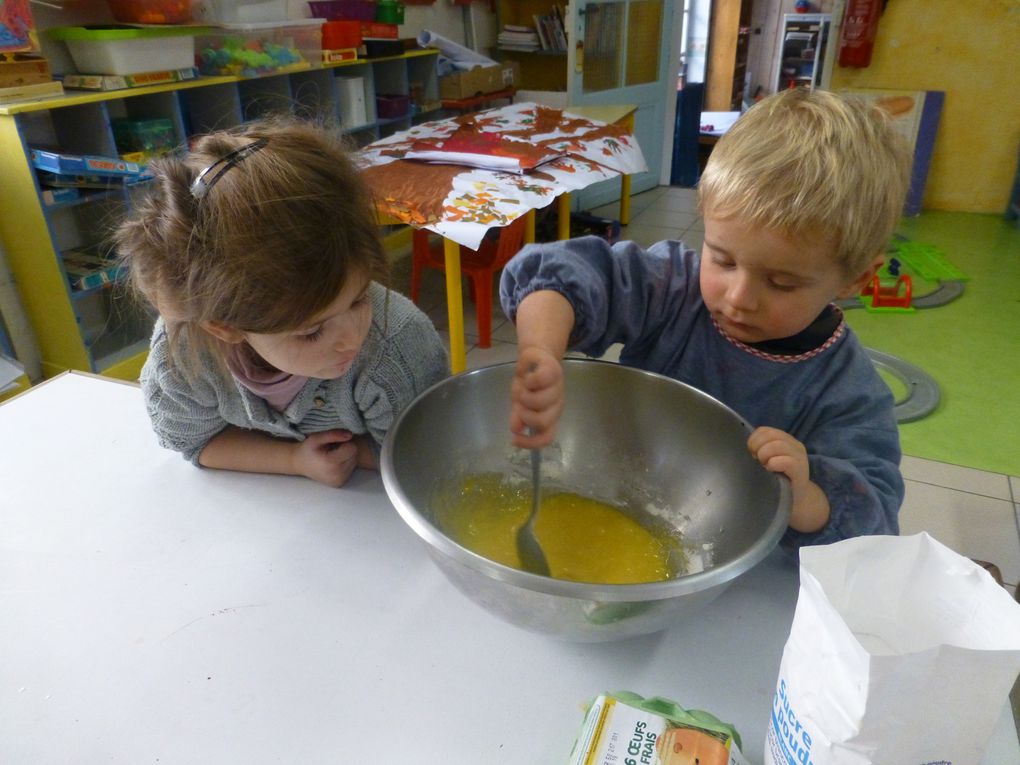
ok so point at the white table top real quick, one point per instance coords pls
(717, 123)
(156, 612)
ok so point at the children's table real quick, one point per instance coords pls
(461, 203)
(154, 611)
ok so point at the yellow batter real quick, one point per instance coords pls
(583, 540)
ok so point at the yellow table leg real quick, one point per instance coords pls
(628, 123)
(454, 306)
(529, 227)
(563, 215)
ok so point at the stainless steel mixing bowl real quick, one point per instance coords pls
(666, 452)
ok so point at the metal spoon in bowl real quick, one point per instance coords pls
(528, 548)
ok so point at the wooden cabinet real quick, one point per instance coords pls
(100, 329)
(728, 43)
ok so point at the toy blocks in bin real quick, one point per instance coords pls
(249, 50)
(480, 80)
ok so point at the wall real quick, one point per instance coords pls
(969, 50)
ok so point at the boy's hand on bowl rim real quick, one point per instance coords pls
(779, 452)
(536, 397)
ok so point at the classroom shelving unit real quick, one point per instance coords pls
(544, 70)
(102, 329)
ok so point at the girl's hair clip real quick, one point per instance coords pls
(201, 185)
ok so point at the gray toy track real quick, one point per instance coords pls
(922, 390)
(946, 292)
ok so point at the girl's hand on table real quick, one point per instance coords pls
(328, 457)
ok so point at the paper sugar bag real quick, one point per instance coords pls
(901, 652)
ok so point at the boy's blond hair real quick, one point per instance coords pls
(812, 163)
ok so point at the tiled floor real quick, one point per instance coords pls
(974, 512)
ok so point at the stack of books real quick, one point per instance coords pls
(552, 33)
(514, 37)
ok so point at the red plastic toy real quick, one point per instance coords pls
(889, 296)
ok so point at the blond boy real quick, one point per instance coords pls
(799, 200)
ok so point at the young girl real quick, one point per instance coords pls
(276, 351)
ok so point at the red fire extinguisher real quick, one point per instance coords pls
(857, 35)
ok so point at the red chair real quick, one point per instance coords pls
(479, 265)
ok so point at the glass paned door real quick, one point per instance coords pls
(620, 59)
(622, 42)
(644, 21)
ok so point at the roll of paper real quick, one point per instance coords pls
(460, 56)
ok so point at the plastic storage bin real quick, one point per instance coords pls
(389, 12)
(248, 50)
(337, 35)
(151, 11)
(353, 10)
(151, 137)
(128, 50)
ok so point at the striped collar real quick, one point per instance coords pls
(833, 337)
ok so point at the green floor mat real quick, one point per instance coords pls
(971, 346)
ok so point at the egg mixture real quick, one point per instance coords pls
(584, 540)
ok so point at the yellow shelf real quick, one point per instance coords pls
(103, 332)
(78, 97)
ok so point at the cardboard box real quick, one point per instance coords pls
(23, 69)
(481, 79)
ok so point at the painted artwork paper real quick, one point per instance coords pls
(462, 203)
(17, 29)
